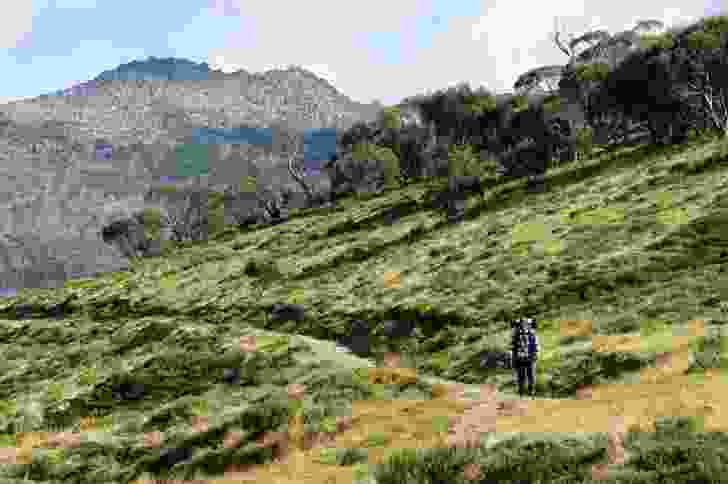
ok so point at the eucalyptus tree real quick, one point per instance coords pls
(587, 69)
(701, 54)
(646, 88)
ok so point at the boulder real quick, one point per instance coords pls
(398, 328)
(23, 311)
(282, 312)
(358, 339)
(126, 391)
(58, 311)
(231, 376)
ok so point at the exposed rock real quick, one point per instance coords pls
(23, 311)
(231, 376)
(127, 391)
(287, 312)
(59, 311)
(398, 328)
(169, 457)
(358, 339)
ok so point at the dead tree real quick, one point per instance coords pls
(289, 143)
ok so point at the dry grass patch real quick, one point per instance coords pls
(575, 327)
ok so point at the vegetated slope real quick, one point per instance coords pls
(627, 247)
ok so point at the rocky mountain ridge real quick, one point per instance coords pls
(56, 188)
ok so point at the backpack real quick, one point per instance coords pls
(525, 342)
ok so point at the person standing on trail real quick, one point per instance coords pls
(525, 352)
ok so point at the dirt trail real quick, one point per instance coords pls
(480, 412)
(483, 413)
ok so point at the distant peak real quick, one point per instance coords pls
(158, 68)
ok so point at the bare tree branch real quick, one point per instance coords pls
(289, 143)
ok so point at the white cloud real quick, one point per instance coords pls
(16, 22)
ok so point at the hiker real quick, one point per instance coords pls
(525, 352)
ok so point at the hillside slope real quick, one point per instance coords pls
(621, 259)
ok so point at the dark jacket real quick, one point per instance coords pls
(524, 342)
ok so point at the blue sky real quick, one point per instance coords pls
(374, 50)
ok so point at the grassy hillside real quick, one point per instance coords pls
(621, 259)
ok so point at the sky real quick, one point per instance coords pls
(379, 50)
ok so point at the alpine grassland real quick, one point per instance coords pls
(174, 371)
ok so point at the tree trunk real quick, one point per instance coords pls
(299, 179)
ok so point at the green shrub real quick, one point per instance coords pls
(376, 440)
(343, 457)
(708, 350)
(247, 184)
(389, 160)
(390, 163)
(668, 427)
(260, 268)
(215, 214)
(168, 189)
(519, 103)
(662, 41)
(152, 220)
(592, 72)
(390, 118)
(462, 160)
(552, 103)
(584, 142)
